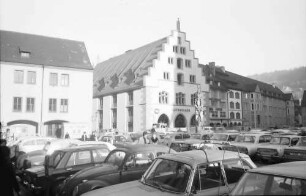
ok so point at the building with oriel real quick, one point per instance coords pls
(161, 82)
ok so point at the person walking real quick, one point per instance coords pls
(154, 139)
(8, 180)
(67, 136)
(84, 137)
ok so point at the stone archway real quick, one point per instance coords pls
(21, 128)
(55, 128)
(163, 119)
(180, 121)
(193, 121)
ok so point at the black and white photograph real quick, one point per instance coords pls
(152, 97)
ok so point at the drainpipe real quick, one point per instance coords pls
(42, 99)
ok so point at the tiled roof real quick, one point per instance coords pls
(288, 96)
(43, 50)
(237, 82)
(125, 72)
(303, 104)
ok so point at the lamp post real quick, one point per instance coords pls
(198, 107)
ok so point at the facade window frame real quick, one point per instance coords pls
(17, 104)
(64, 79)
(31, 77)
(30, 104)
(180, 99)
(64, 106)
(52, 104)
(192, 79)
(53, 80)
(180, 79)
(18, 76)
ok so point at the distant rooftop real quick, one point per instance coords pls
(41, 50)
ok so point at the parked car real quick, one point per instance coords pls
(296, 153)
(274, 151)
(197, 172)
(276, 179)
(248, 143)
(31, 143)
(175, 136)
(192, 144)
(113, 139)
(201, 136)
(60, 165)
(222, 138)
(121, 165)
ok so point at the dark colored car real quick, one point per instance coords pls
(121, 165)
(296, 153)
(60, 165)
(277, 179)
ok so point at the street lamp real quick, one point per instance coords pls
(198, 107)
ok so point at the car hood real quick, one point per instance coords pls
(38, 171)
(134, 188)
(241, 144)
(301, 148)
(272, 146)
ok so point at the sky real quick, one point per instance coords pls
(245, 36)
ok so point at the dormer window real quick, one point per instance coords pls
(25, 54)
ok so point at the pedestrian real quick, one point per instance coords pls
(58, 133)
(154, 139)
(93, 136)
(8, 180)
(84, 137)
(145, 138)
(67, 136)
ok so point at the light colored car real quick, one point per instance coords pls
(249, 142)
(197, 172)
(277, 179)
(28, 144)
(296, 153)
(274, 150)
(222, 138)
(175, 136)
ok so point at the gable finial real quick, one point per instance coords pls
(178, 25)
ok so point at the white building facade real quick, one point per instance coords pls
(161, 82)
(45, 84)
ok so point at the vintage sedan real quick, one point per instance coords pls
(248, 143)
(296, 153)
(197, 172)
(277, 179)
(175, 136)
(121, 165)
(60, 165)
(192, 144)
(274, 151)
(222, 138)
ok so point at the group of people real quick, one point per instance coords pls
(149, 140)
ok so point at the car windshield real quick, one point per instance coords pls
(264, 184)
(280, 140)
(302, 141)
(246, 139)
(168, 175)
(219, 137)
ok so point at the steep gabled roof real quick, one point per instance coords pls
(43, 50)
(237, 82)
(125, 71)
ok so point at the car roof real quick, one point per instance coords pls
(286, 136)
(255, 134)
(295, 169)
(141, 147)
(189, 141)
(227, 133)
(195, 157)
(85, 147)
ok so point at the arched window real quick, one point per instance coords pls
(239, 124)
(163, 97)
(180, 121)
(237, 115)
(193, 121)
(163, 119)
(237, 96)
(232, 115)
(231, 94)
(237, 105)
(231, 104)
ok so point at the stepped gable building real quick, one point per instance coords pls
(303, 106)
(45, 82)
(160, 82)
(250, 103)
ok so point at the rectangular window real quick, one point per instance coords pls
(188, 63)
(30, 104)
(180, 99)
(179, 40)
(182, 50)
(170, 60)
(175, 49)
(17, 102)
(193, 99)
(130, 97)
(179, 63)
(65, 80)
(114, 101)
(53, 79)
(52, 105)
(24, 54)
(166, 75)
(18, 76)
(222, 114)
(114, 118)
(180, 79)
(214, 113)
(192, 79)
(31, 77)
(64, 105)
(130, 119)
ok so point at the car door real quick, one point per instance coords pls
(135, 165)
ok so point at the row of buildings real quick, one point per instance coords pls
(48, 86)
